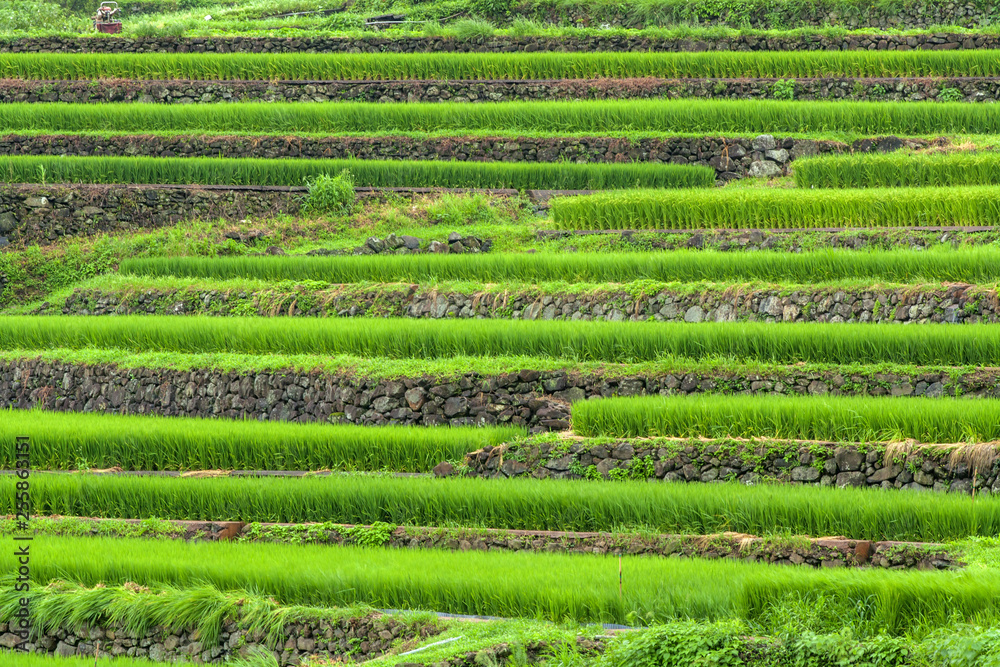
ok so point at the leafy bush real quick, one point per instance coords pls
(783, 89)
(330, 195)
(32, 15)
(950, 95)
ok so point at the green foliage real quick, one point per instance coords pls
(37, 15)
(367, 173)
(827, 418)
(783, 89)
(523, 504)
(766, 208)
(675, 116)
(628, 342)
(60, 440)
(685, 643)
(933, 172)
(330, 195)
(950, 95)
(375, 535)
(970, 265)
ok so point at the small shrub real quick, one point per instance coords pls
(950, 95)
(783, 89)
(143, 29)
(330, 195)
(500, 9)
(432, 29)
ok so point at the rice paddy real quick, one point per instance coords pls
(365, 173)
(432, 66)
(968, 265)
(634, 116)
(828, 418)
(86, 441)
(620, 342)
(525, 504)
(662, 589)
(931, 171)
(784, 208)
(849, 423)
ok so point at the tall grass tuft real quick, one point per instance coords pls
(830, 418)
(779, 208)
(367, 173)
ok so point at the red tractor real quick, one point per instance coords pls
(104, 20)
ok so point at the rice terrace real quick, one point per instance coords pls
(497, 333)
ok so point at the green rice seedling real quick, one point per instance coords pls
(444, 581)
(523, 504)
(677, 116)
(436, 66)
(624, 342)
(69, 440)
(971, 265)
(766, 208)
(930, 170)
(829, 418)
(367, 173)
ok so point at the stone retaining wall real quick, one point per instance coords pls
(955, 303)
(821, 464)
(352, 639)
(539, 400)
(814, 553)
(792, 240)
(822, 552)
(505, 44)
(39, 213)
(972, 89)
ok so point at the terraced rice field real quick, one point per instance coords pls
(642, 335)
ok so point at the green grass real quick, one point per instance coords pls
(365, 173)
(971, 265)
(454, 581)
(682, 116)
(830, 418)
(435, 66)
(921, 344)
(899, 170)
(68, 440)
(742, 208)
(523, 504)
